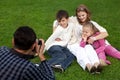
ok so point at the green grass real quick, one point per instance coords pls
(39, 14)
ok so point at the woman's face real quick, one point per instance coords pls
(82, 16)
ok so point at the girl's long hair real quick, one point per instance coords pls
(83, 8)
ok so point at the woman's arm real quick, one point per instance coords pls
(103, 33)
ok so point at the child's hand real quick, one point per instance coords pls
(84, 37)
(58, 39)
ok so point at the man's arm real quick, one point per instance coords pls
(41, 72)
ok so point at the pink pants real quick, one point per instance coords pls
(111, 51)
(103, 57)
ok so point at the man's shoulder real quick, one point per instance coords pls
(4, 49)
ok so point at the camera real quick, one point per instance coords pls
(39, 42)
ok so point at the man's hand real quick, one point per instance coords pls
(40, 49)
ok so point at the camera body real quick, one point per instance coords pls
(39, 42)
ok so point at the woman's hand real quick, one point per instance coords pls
(91, 40)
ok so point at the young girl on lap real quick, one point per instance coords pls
(90, 31)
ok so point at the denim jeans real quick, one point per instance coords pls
(60, 55)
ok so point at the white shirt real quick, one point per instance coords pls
(63, 33)
(78, 29)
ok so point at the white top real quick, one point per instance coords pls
(78, 29)
(63, 33)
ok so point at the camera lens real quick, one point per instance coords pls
(39, 42)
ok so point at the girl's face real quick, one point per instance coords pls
(87, 31)
(63, 22)
(82, 16)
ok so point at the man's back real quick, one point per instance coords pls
(11, 66)
(15, 66)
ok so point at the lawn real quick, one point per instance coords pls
(40, 14)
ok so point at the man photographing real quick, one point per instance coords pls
(14, 62)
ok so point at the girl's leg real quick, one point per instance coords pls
(102, 58)
(82, 58)
(92, 55)
(111, 51)
(83, 62)
(80, 54)
(88, 66)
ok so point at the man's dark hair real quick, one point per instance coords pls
(62, 14)
(24, 37)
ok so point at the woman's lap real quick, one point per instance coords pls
(83, 56)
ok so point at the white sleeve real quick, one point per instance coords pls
(55, 24)
(52, 38)
(100, 28)
(73, 19)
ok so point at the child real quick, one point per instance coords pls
(57, 42)
(90, 31)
